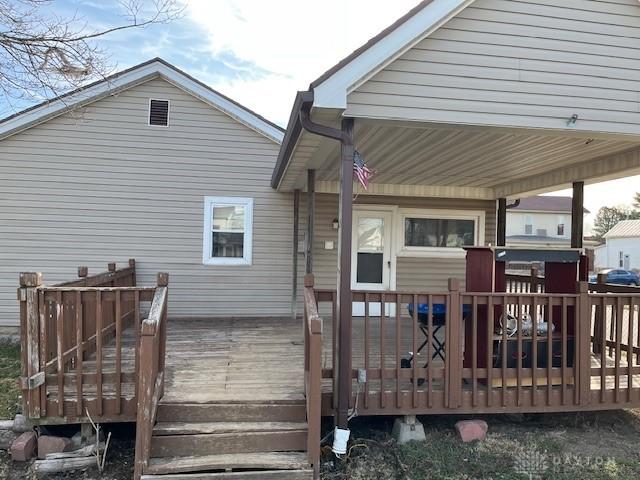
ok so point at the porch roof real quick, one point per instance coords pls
(462, 161)
(504, 125)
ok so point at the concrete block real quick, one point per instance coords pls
(408, 429)
(470, 430)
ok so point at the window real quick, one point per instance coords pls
(228, 225)
(528, 225)
(432, 232)
(440, 232)
(561, 223)
(159, 113)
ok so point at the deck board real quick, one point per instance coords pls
(215, 360)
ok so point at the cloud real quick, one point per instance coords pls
(292, 42)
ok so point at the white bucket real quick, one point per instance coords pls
(340, 440)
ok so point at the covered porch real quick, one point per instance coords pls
(569, 345)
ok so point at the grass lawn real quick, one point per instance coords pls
(9, 373)
(576, 446)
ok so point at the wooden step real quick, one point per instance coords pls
(234, 442)
(246, 461)
(231, 412)
(260, 475)
(195, 428)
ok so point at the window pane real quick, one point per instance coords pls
(369, 268)
(225, 244)
(432, 232)
(228, 217)
(370, 234)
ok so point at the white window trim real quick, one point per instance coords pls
(247, 248)
(168, 112)
(478, 216)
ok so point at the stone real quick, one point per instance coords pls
(77, 441)
(23, 448)
(50, 444)
(408, 429)
(470, 430)
(21, 424)
(7, 437)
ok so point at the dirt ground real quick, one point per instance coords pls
(118, 465)
(543, 446)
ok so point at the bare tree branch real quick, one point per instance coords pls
(41, 55)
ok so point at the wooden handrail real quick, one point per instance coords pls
(313, 374)
(58, 330)
(151, 356)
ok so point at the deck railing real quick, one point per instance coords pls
(522, 283)
(153, 340)
(312, 373)
(76, 338)
(556, 352)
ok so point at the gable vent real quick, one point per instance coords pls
(159, 112)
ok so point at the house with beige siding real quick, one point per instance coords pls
(91, 178)
(457, 110)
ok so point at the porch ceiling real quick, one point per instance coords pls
(465, 161)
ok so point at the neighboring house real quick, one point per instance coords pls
(540, 221)
(131, 172)
(621, 248)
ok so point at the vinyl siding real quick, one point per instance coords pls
(517, 63)
(101, 185)
(412, 273)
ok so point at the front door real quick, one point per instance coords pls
(371, 256)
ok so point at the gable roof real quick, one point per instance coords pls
(128, 78)
(625, 229)
(545, 203)
(331, 88)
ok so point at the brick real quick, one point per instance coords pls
(23, 448)
(470, 430)
(50, 444)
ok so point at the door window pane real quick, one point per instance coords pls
(370, 234)
(370, 267)
(433, 232)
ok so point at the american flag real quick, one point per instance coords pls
(361, 171)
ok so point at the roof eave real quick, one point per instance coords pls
(291, 137)
(126, 79)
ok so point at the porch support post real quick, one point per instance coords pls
(501, 223)
(577, 215)
(344, 303)
(296, 229)
(311, 214)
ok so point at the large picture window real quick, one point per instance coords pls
(435, 232)
(228, 223)
(438, 232)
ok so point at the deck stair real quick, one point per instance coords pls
(218, 440)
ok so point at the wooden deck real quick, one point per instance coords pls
(384, 343)
(234, 360)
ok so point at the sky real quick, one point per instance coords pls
(260, 52)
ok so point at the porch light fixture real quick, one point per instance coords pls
(572, 121)
(335, 224)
